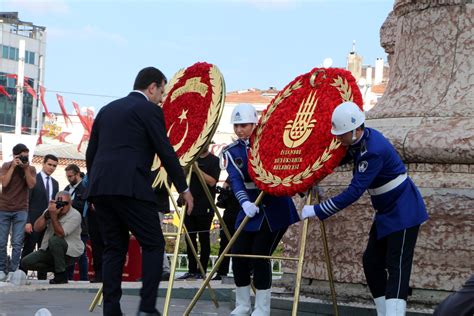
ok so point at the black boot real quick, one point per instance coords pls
(41, 275)
(59, 278)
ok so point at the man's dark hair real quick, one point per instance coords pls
(19, 148)
(147, 76)
(49, 156)
(74, 168)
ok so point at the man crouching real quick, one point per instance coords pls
(62, 239)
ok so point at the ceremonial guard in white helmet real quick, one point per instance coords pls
(399, 208)
(266, 227)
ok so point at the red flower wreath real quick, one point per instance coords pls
(292, 147)
(186, 113)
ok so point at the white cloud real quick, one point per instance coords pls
(39, 7)
(87, 32)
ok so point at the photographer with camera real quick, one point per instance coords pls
(61, 243)
(44, 191)
(16, 176)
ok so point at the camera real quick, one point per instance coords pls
(23, 159)
(224, 195)
(61, 204)
(180, 201)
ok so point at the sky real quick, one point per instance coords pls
(95, 48)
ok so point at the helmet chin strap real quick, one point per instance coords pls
(355, 139)
(354, 136)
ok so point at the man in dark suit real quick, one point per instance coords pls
(125, 137)
(44, 191)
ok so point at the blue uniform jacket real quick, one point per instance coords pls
(279, 212)
(376, 163)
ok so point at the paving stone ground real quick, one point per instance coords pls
(66, 302)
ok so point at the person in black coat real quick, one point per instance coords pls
(126, 135)
(199, 222)
(76, 189)
(39, 198)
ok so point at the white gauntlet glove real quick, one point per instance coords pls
(308, 211)
(250, 209)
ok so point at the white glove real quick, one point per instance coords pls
(308, 211)
(250, 209)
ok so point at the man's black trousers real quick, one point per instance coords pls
(97, 243)
(198, 225)
(119, 215)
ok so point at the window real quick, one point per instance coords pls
(5, 51)
(11, 54)
(31, 59)
(11, 82)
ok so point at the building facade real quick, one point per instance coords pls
(12, 31)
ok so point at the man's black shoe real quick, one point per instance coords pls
(218, 277)
(155, 313)
(165, 276)
(186, 276)
(59, 278)
(199, 276)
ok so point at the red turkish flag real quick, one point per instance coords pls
(63, 109)
(40, 137)
(81, 117)
(30, 90)
(86, 121)
(85, 138)
(42, 92)
(4, 92)
(62, 137)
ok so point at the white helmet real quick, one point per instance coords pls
(346, 117)
(244, 113)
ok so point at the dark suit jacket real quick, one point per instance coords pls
(125, 137)
(38, 201)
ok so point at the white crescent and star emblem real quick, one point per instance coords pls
(181, 118)
(362, 166)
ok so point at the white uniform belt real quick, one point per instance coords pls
(389, 185)
(250, 185)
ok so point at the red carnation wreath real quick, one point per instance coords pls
(292, 146)
(192, 108)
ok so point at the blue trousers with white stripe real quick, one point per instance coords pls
(387, 262)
